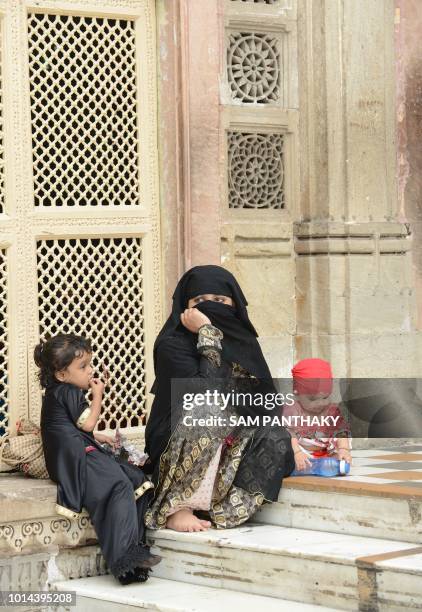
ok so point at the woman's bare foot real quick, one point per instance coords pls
(185, 520)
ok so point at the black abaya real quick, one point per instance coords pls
(266, 453)
(95, 480)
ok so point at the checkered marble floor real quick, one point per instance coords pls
(396, 470)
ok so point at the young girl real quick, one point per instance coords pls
(312, 386)
(115, 494)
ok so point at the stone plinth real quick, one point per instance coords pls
(36, 544)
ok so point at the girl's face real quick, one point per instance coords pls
(212, 297)
(314, 404)
(78, 373)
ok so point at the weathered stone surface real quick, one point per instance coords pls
(372, 516)
(105, 595)
(278, 351)
(275, 561)
(17, 504)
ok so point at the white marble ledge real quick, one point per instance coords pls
(342, 548)
(172, 596)
(410, 564)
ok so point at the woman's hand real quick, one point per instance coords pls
(301, 460)
(97, 388)
(193, 319)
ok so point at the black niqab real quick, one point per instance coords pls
(239, 344)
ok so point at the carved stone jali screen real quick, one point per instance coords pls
(83, 109)
(255, 170)
(253, 65)
(79, 218)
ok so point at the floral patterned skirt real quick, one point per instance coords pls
(183, 467)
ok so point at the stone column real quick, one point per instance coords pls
(355, 301)
(189, 35)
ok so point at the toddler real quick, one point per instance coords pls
(312, 386)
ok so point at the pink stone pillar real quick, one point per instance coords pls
(200, 58)
(189, 56)
(189, 67)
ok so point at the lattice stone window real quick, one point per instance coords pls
(256, 170)
(1, 124)
(83, 110)
(93, 287)
(4, 346)
(253, 67)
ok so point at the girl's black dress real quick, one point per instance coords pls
(115, 493)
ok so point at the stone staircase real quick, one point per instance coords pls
(326, 544)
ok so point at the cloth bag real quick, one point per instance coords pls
(24, 451)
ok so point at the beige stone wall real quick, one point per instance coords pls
(291, 182)
(353, 254)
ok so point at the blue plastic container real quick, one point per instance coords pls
(324, 466)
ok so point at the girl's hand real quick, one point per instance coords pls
(302, 460)
(344, 453)
(106, 373)
(97, 387)
(193, 319)
(103, 439)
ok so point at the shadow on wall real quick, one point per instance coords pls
(383, 408)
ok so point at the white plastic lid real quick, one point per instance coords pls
(344, 467)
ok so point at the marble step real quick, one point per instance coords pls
(341, 571)
(352, 510)
(104, 594)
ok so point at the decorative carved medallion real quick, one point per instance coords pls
(255, 170)
(253, 67)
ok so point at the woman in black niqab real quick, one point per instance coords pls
(230, 471)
